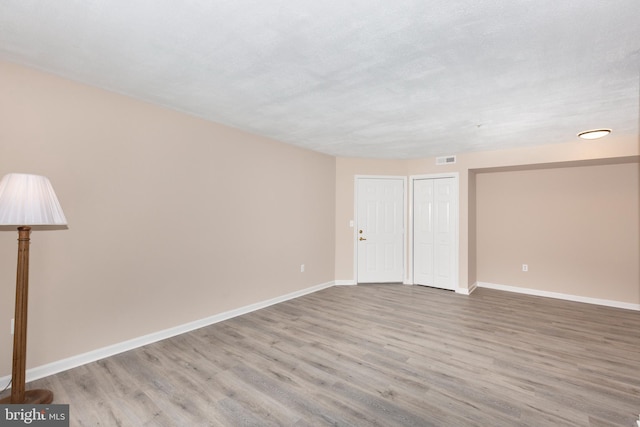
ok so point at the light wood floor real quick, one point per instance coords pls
(376, 355)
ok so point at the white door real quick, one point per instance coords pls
(434, 232)
(380, 230)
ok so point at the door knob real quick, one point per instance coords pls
(362, 238)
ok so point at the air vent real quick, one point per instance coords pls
(445, 160)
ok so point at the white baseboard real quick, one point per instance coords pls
(557, 295)
(345, 282)
(92, 356)
(467, 291)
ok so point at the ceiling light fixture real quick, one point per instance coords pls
(594, 134)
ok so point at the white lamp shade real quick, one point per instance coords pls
(29, 200)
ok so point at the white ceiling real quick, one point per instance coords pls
(365, 78)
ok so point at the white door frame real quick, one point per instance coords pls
(355, 219)
(456, 186)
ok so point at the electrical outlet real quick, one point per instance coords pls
(525, 267)
(301, 268)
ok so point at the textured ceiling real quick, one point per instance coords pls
(366, 78)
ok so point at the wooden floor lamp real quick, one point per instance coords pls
(25, 201)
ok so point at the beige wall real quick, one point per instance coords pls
(617, 147)
(472, 227)
(614, 149)
(575, 227)
(171, 218)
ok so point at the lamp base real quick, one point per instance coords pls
(32, 397)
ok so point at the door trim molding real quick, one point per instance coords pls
(409, 216)
(355, 221)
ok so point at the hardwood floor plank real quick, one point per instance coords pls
(376, 355)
